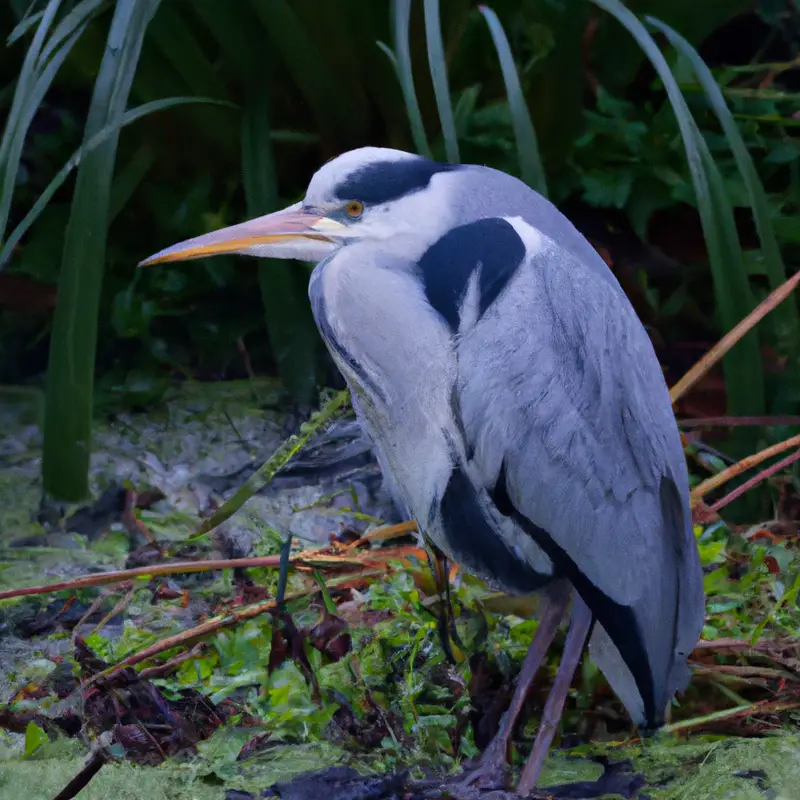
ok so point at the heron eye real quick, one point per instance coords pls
(355, 209)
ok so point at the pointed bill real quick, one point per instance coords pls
(293, 232)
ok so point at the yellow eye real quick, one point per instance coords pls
(355, 209)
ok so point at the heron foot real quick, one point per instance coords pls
(491, 771)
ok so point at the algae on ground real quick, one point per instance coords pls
(730, 768)
(43, 779)
(734, 769)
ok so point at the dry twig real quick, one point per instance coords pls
(720, 349)
(717, 480)
(306, 560)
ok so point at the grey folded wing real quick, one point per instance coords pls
(568, 420)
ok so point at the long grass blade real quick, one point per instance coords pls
(310, 71)
(75, 159)
(181, 49)
(71, 22)
(24, 25)
(530, 162)
(69, 390)
(129, 178)
(20, 114)
(389, 53)
(401, 21)
(284, 285)
(734, 298)
(337, 405)
(786, 318)
(438, 67)
(26, 117)
(27, 73)
(42, 61)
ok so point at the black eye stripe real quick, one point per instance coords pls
(384, 181)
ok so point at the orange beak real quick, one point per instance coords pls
(294, 232)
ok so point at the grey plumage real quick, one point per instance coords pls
(558, 379)
(517, 406)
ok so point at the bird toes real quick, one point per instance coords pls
(490, 773)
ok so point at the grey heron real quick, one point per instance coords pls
(517, 406)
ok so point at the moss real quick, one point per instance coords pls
(284, 762)
(43, 779)
(733, 768)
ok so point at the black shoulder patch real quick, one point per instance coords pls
(475, 544)
(491, 244)
(385, 181)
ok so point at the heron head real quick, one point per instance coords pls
(369, 194)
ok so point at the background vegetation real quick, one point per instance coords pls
(193, 115)
(665, 129)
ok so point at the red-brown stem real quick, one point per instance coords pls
(751, 482)
(732, 337)
(190, 636)
(133, 524)
(715, 481)
(729, 644)
(305, 560)
(734, 422)
(118, 576)
(732, 713)
(162, 669)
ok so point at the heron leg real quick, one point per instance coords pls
(573, 649)
(490, 771)
(446, 626)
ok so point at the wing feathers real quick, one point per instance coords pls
(558, 383)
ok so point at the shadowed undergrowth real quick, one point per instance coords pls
(354, 673)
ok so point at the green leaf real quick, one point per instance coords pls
(284, 284)
(441, 89)
(401, 19)
(310, 70)
(110, 131)
(607, 189)
(35, 737)
(180, 48)
(327, 600)
(530, 162)
(733, 295)
(783, 153)
(784, 317)
(788, 599)
(70, 375)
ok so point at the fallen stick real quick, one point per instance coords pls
(716, 353)
(309, 559)
(717, 480)
(730, 713)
